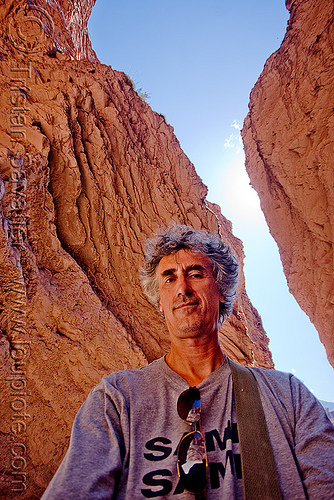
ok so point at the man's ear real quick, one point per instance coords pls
(161, 310)
(222, 298)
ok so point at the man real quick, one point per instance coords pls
(169, 430)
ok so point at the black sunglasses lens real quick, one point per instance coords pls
(192, 462)
(189, 405)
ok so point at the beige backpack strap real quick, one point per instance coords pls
(259, 474)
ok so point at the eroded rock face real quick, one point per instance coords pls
(288, 137)
(88, 171)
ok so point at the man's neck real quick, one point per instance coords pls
(194, 362)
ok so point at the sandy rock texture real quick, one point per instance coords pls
(288, 137)
(87, 172)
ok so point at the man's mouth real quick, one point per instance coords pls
(185, 304)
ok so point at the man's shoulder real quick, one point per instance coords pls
(271, 374)
(132, 376)
(275, 379)
(283, 386)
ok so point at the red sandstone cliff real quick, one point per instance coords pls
(88, 171)
(288, 137)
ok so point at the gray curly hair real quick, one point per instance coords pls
(224, 264)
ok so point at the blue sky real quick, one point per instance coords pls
(198, 61)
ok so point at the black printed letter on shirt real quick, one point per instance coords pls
(150, 480)
(153, 446)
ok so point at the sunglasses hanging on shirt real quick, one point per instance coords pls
(191, 453)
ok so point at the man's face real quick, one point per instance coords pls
(189, 296)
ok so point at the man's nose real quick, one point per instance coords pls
(184, 287)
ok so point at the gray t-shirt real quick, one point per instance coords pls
(125, 436)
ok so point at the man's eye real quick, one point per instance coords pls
(196, 275)
(169, 280)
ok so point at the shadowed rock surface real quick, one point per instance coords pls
(289, 143)
(88, 171)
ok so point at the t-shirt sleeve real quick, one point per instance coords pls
(92, 465)
(314, 443)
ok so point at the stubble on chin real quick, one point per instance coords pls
(187, 327)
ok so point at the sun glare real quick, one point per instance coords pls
(239, 197)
